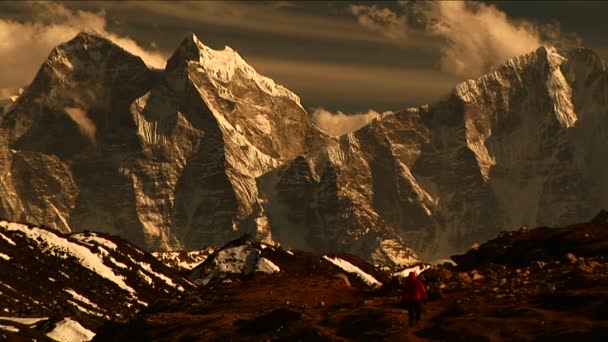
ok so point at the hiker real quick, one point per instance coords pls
(414, 294)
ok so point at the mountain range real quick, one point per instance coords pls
(207, 150)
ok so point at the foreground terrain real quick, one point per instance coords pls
(531, 284)
(540, 284)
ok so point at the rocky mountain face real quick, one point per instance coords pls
(207, 149)
(162, 158)
(165, 158)
(517, 147)
(53, 283)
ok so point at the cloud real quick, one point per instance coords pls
(290, 19)
(340, 123)
(355, 86)
(24, 45)
(382, 20)
(86, 126)
(8, 92)
(560, 38)
(151, 58)
(474, 36)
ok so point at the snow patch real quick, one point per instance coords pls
(418, 269)
(560, 91)
(95, 239)
(69, 330)
(24, 320)
(148, 268)
(350, 268)
(83, 309)
(7, 239)
(145, 277)
(8, 287)
(118, 263)
(9, 328)
(81, 298)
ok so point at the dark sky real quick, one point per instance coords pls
(338, 55)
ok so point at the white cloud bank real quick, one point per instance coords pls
(25, 45)
(340, 123)
(475, 36)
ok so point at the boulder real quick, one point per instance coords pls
(463, 278)
(477, 276)
(569, 258)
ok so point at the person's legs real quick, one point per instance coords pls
(418, 308)
(411, 311)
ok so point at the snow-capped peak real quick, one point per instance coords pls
(546, 60)
(90, 34)
(86, 40)
(222, 65)
(91, 52)
(554, 59)
(544, 55)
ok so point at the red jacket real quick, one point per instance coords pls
(413, 289)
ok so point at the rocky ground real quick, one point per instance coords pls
(525, 285)
(539, 284)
